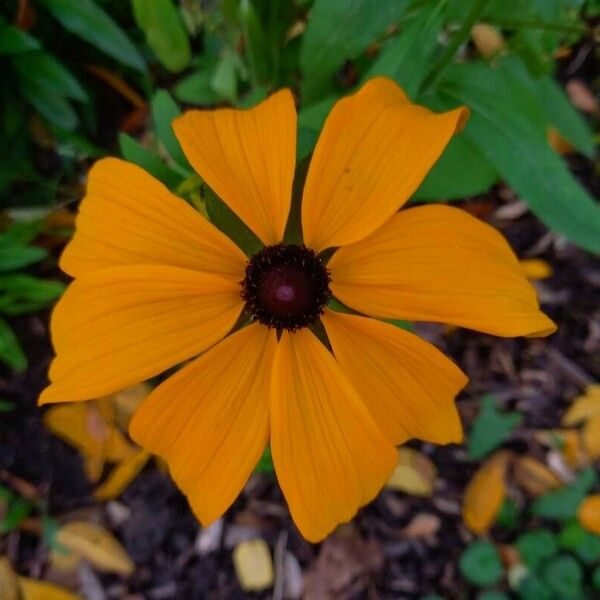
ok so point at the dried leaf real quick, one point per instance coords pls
(485, 494)
(487, 39)
(583, 407)
(414, 473)
(31, 589)
(88, 427)
(96, 545)
(535, 477)
(423, 525)
(121, 476)
(581, 96)
(253, 565)
(588, 514)
(591, 437)
(64, 561)
(536, 268)
(343, 561)
(9, 586)
(127, 401)
(559, 143)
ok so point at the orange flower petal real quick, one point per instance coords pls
(248, 158)
(210, 421)
(436, 263)
(127, 217)
(118, 326)
(589, 514)
(375, 149)
(329, 455)
(408, 385)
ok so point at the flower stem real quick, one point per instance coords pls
(459, 38)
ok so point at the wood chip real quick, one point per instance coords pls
(253, 565)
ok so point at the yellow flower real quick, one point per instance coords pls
(157, 284)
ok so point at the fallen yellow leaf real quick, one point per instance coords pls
(86, 426)
(127, 401)
(414, 473)
(487, 39)
(485, 493)
(31, 589)
(583, 407)
(9, 585)
(536, 268)
(121, 476)
(589, 514)
(591, 437)
(96, 545)
(535, 477)
(253, 565)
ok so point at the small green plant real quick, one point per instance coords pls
(20, 292)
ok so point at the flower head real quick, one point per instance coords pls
(157, 284)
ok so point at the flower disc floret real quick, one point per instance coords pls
(286, 286)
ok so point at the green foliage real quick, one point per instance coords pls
(480, 564)
(582, 543)
(165, 34)
(19, 292)
(13, 510)
(562, 504)
(536, 546)
(337, 31)
(92, 24)
(491, 428)
(265, 464)
(564, 576)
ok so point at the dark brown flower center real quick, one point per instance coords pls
(286, 286)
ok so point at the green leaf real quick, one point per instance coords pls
(90, 22)
(564, 576)
(265, 464)
(6, 406)
(196, 89)
(491, 428)
(164, 111)
(50, 105)
(256, 46)
(33, 289)
(224, 80)
(584, 544)
(480, 564)
(229, 223)
(536, 546)
(21, 232)
(563, 115)
(18, 511)
(507, 130)
(508, 516)
(337, 31)
(17, 257)
(596, 575)
(165, 33)
(48, 73)
(11, 352)
(407, 56)
(493, 595)
(133, 151)
(534, 587)
(563, 504)
(14, 40)
(462, 171)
